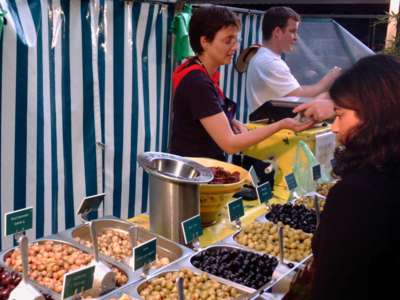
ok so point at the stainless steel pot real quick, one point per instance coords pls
(173, 191)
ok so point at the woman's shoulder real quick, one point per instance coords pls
(196, 79)
(364, 189)
(366, 179)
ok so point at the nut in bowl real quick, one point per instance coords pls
(214, 195)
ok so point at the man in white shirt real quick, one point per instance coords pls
(268, 75)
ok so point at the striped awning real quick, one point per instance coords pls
(84, 89)
(85, 86)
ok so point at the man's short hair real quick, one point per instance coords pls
(277, 16)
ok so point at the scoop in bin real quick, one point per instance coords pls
(24, 290)
(103, 278)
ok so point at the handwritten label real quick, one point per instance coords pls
(291, 181)
(264, 192)
(235, 209)
(18, 220)
(90, 203)
(145, 253)
(316, 171)
(254, 176)
(192, 229)
(325, 145)
(78, 281)
(333, 162)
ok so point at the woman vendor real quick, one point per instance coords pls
(203, 118)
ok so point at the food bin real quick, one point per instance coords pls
(66, 257)
(244, 267)
(167, 251)
(308, 201)
(134, 290)
(303, 253)
(173, 191)
(214, 197)
(10, 279)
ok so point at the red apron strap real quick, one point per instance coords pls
(183, 70)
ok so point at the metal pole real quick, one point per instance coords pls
(391, 31)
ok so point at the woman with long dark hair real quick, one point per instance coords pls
(355, 247)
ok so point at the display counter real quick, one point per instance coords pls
(219, 231)
(242, 260)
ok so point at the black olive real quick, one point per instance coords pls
(290, 265)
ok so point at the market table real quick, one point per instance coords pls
(281, 147)
(220, 230)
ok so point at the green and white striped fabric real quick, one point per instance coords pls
(85, 86)
(75, 75)
(232, 82)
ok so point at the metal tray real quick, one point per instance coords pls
(231, 241)
(135, 289)
(279, 274)
(332, 183)
(165, 247)
(312, 194)
(280, 271)
(58, 239)
(309, 194)
(38, 287)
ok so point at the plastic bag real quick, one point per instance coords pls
(302, 169)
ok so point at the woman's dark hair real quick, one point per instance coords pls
(207, 21)
(371, 88)
(277, 16)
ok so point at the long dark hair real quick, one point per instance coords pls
(371, 87)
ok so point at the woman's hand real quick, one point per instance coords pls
(238, 127)
(220, 130)
(295, 125)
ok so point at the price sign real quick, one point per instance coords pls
(291, 181)
(264, 192)
(18, 220)
(91, 203)
(145, 253)
(333, 162)
(254, 176)
(316, 171)
(235, 209)
(77, 281)
(192, 229)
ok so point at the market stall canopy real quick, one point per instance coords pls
(291, 1)
(61, 66)
(322, 44)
